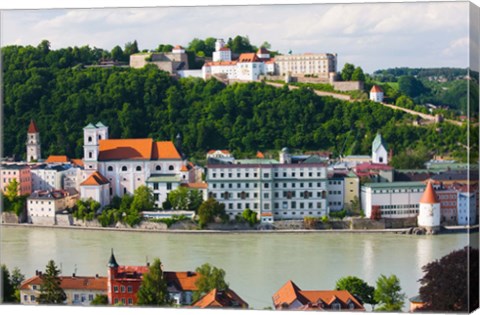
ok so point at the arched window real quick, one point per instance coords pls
(170, 168)
(124, 168)
(158, 168)
(138, 169)
(99, 137)
(90, 154)
(110, 168)
(89, 139)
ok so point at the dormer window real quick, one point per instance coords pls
(335, 306)
(99, 137)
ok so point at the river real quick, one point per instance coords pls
(256, 265)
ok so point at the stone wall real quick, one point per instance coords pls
(64, 219)
(289, 225)
(147, 225)
(93, 223)
(400, 223)
(348, 85)
(43, 220)
(366, 224)
(9, 217)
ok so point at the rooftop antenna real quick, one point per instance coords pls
(75, 269)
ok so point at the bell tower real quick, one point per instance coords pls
(33, 142)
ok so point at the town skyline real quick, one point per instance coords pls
(371, 35)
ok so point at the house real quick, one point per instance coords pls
(221, 299)
(124, 283)
(21, 173)
(43, 205)
(376, 94)
(291, 188)
(33, 143)
(379, 150)
(335, 196)
(49, 176)
(79, 290)
(219, 154)
(467, 205)
(130, 163)
(376, 172)
(291, 297)
(96, 187)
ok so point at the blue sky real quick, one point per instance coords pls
(370, 35)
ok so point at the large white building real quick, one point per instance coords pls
(130, 163)
(319, 65)
(275, 190)
(49, 176)
(42, 206)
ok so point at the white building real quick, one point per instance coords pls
(394, 200)
(221, 52)
(96, 187)
(335, 196)
(320, 65)
(42, 206)
(467, 207)
(130, 163)
(429, 209)
(379, 150)
(274, 190)
(49, 176)
(376, 94)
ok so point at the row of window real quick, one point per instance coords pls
(122, 289)
(389, 191)
(266, 185)
(399, 206)
(124, 301)
(285, 194)
(410, 211)
(266, 206)
(139, 168)
(265, 175)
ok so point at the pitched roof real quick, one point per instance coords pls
(216, 298)
(125, 149)
(183, 280)
(224, 49)
(429, 195)
(196, 185)
(57, 159)
(260, 155)
(77, 162)
(164, 150)
(32, 128)
(214, 151)
(377, 142)
(96, 179)
(248, 57)
(376, 89)
(291, 292)
(71, 283)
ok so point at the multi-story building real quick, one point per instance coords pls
(130, 163)
(42, 206)
(351, 189)
(171, 62)
(467, 206)
(335, 195)
(394, 200)
(123, 283)
(79, 290)
(18, 172)
(49, 176)
(320, 65)
(273, 189)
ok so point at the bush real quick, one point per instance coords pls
(338, 214)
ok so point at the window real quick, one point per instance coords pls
(32, 298)
(170, 168)
(155, 186)
(129, 289)
(130, 301)
(138, 169)
(158, 168)
(169, 186)
(124, 168)
(266, 185)
(89, 139)
(110, 168)
(115, 289)
(90, 154)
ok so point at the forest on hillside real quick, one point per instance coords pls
(63, 96)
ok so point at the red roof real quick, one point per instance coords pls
(183, 280)
(260, 155)
(196, 185)
(32, 128)
(429, 196)
(136, 149)
(72, 283)
(224, 49)
(368, 166)
(57, 159)
(376, 89)
(96, 179)
(290, 292)
(248, 57)
(216, 298)
(77, 162)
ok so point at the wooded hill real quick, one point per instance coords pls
(63, 96)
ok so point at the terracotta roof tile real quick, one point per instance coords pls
(95, 179)
(57, 159)
(32, 128)
(125, 149)
(78, 162)
(429, 196)
(376, 89)
(215, 298)
(183, 280)
(72, 283)
(164, 150)
(196, 185)
(248, 57)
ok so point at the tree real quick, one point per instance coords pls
(50, 290)
(250, 216)
(117, 53)
(100, 299)
(209, 210)
(451, 283)
(358, 288)
(185, 199)
(347, 72)
(411, 86)
(130, 48)
(388, 294)
(210, 278)
(153, 290)
(142, 199)
(7, 288)
(358, 74)
(12, 190)
(16, 278)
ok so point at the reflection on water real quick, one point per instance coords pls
(257, 265)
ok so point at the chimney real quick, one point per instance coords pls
(73, 275)
(96, 275)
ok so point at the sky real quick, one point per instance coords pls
(371, 35)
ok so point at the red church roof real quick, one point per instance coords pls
(96, 179)
(32, 128)
(376, 89)
(429, 196)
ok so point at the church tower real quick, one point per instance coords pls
(33, 142)
(379, 150)
(429, 210)
(92, 135)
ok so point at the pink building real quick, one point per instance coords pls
(21, 173)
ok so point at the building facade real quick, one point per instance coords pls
(274, 190)
(42, 206)
(335, 196)
(320, 65)
(33, 143)
(19, 173)
(49, 176)
(376, 94)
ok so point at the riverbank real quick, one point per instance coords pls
(446, 230)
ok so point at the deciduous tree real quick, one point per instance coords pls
(388, 294)
(210, 278)
(7, 292)
(209, 210)
(450, 284)
(359, 288)
(153, 290)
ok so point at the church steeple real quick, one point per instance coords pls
(112, 262)
(33, 142)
